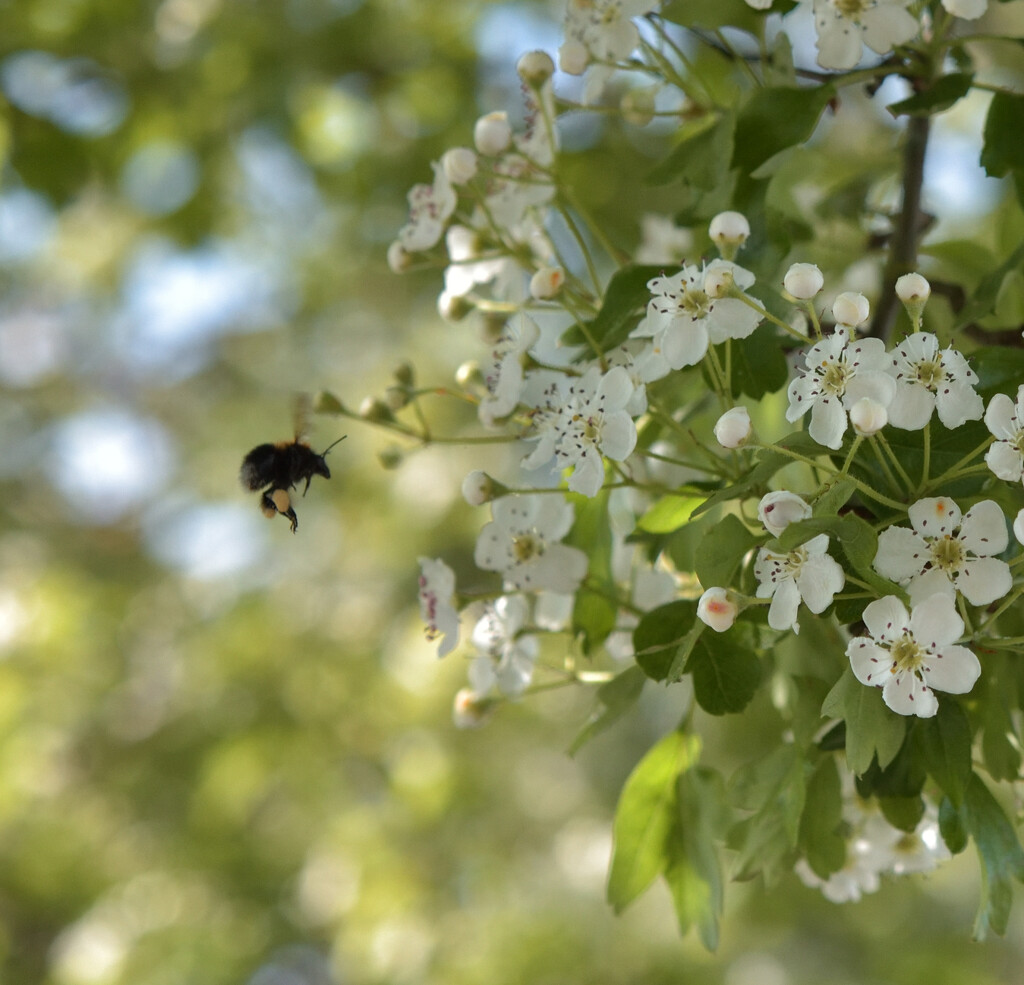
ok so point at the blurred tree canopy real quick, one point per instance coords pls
(227, 754)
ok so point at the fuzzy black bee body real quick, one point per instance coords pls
(276, 468)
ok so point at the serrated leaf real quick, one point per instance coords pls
(721, 550)
(698, 160)
(669, 513)
(726, 675)
(660, 634)
(616, 698)
(820, 836)
(625, 301)
(946, 743)
(1003, 150)
(871, 728)
(1001, 856)
(774, 118)
(939, 96)
(645, 815)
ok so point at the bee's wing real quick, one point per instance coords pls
(302, 412)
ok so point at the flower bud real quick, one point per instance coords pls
(546, 283)
(397, 397)
(777, 510)
(729, 231)
(479, 488)
(717, 610)
(803, 281)
(573, 57)
(325, 402)
(453, 307)
(1018, 527)
(733, 428)
(913, 290)
(404, 373)
(535, 68)
(470, 710)
(459, 165)
(391, 457)
(868, 416)
(374, 409)
(851, 309)
(469, 375)
(492, 133)
(399, 259)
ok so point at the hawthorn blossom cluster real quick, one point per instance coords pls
(643, 428)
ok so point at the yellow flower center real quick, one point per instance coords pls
(694, 302)
(930, 373)
(834, 378)
(526, 546)
(906, 654)
(947, 553)
(852, 9)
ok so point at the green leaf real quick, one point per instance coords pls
(698, 159)
(951, 827)
(645, 815)
(615, 698)
(625, 301)
(758, 365)
(669, 513)
(946, 743)
(1000, 853)
(1003, 149)
(872, 730)
(661, 633)
(903, 813)
(820, 834)
(726, 675)
(694, 872)
(721, 550)
(712, 14)
(594, 613)
(834, 496)
(939, 96)
(774, 118)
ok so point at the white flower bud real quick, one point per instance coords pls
(573, 57)
(868, 416)
(777, 510)
(469, 375)
(492, 133)
(479, 488)
(546, 283)
(459, 165)
(1018, 527)
(470, 710)
(803, 281)
(637, 106)
(535, 68)
(399, 259)
(718, 280)
(911, 288)
(717, 610)
(453, 308)
(733, 428)
(729, 231)
(850, 309)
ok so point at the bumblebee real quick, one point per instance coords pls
(277, 468)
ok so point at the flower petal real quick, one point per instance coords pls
(935, 622)
(912, 407)
(870, 662)
(685, 342)
(935, 581)
(887, 25)
(1005, 460)
(935, 516)
(819, 580)
(886, 618)
(785, 602)
(618, 436)
(902, 553)
(828, 422)
(983, 529)
(983, 580)
(906, 695)
(955, 670)
(958, 403)
(1000, 417)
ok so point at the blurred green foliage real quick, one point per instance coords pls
(226, 754)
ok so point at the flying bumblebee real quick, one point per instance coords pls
(277, 468)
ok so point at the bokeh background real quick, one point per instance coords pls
(226, 752)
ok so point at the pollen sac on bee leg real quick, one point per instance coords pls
(276, 501)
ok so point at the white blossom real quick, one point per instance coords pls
(947, 551)
(729, 231)
(733, 428)
(492, 133)
(505, 655)
(523, 543)
(838, 374)
(843, 26)
(584, 420)
(803, 281)
(662, 241)
(913, 288)
(806, 574)
(850, 309)
(927, 379)
(504, 376)
(682, 320)
(910, 655)
(437, 591)
(1005, 419)
(777, 510)
(546, 283)
(459, 165)
(717, 610)
(430, 207)
(868, 416)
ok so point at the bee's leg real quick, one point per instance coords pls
(309, 479)
(276, 501)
